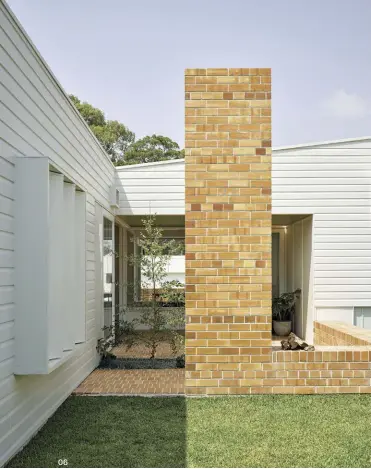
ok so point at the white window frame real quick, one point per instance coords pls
(100, 214)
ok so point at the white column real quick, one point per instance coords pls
(80, 267)
(69, 284)
(31, 265)
(55, 264)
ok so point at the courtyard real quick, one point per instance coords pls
(151, 246)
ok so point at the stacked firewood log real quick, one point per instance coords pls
(292, 342)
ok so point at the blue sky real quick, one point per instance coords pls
(128, 57)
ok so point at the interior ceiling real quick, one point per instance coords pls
(172, 221)
(284, 220)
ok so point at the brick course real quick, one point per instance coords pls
(228, 227)
(328, 370)
(339, 333)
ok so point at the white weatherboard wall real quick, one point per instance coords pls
(38, 120)
(330, 181)
(151, 188)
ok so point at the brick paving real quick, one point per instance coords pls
(133, 382)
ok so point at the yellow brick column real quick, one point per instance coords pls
(228, 229)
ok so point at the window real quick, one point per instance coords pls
(362, 317)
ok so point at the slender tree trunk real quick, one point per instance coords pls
(153, 350)
(154, 306)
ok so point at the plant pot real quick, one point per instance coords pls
(282, 328)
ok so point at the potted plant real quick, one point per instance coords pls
(283, 309)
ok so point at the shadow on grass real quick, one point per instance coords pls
(111, 432)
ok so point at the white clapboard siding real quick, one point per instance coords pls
(37, 119)
(33, 106)
(331, 182)
(151, 188)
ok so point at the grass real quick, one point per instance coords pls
(257, 431)
(110, 432)
(280, 431)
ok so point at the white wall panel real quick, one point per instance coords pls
(50, 290)
(342, 314)
(56, 264)
(31, 262)
(332, 182)
(152, 188)
(69, 265)
(38, 120)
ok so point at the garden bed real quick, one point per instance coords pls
(130, 363)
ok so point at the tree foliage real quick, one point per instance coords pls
(114, 137)
(119, 141)
(153, 148)
(92, 115)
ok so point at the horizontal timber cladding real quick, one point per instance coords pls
(37, 120)
(228, 227)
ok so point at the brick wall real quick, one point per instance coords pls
(340, 333)
(228, 228)
(320, 372)
(228, 253)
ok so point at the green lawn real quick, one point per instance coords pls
(257, 431)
